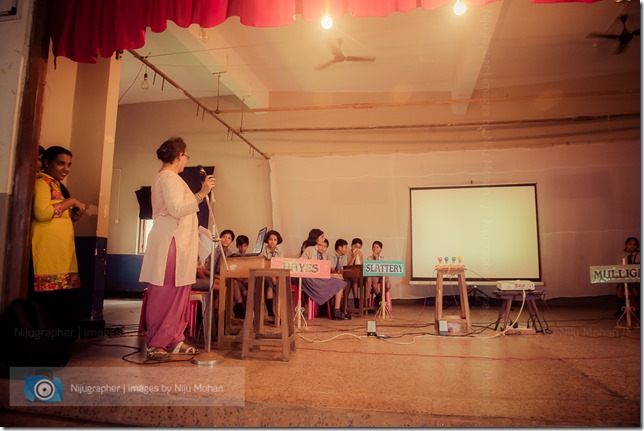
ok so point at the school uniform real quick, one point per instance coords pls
(320, 290)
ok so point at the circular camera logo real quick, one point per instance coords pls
(43, 389)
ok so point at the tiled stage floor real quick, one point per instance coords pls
(586, 372)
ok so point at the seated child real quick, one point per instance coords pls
(339, 258)
(242, 244)
(226, 237)
(338, 261)
(355, 258)
(631, 257)
(372, 282)
(324, 248)
(203, 275)
(240, 285)
(321, 290)
(272, 240)
(202, 283)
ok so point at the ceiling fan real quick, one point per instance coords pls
(339, 57)
(624, 38)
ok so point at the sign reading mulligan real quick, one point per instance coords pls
(383, 267)
(615, 274)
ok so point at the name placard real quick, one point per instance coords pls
(303, 268)
(383, 267)
(615, 274)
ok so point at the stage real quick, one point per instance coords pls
(583, 372)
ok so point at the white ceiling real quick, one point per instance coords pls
(504, 46)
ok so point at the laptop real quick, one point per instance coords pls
(259, 245)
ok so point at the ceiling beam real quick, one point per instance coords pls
(205, 109)
(217, 55)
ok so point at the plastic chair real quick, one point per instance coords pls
(312, 306)
(294, 292)
(313, 309)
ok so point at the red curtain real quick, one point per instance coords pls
(564, 1)
(81, 30)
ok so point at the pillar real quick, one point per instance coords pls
(92, 138)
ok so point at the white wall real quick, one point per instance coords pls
(14, 51)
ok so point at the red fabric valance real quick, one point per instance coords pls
(81, 30)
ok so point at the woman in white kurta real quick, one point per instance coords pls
(170, 261)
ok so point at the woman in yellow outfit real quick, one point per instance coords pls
(56, 281)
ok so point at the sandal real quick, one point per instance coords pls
(187, 350)
(156, 355)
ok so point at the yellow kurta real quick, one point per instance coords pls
(52, 239)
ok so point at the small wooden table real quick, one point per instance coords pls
(352, 273)
(531, 296)
(255, 336)
(238, 267)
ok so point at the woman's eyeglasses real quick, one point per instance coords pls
(187, 156)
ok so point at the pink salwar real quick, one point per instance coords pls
(166, 313)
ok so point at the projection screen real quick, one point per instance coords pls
(493, 228)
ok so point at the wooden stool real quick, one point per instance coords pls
(531, 296)
(253, 313)
(459, 271)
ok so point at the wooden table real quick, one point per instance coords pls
(352, 273)
(255, 336)
(531, 296)
(238, 267)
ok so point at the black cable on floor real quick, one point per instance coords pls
(147, 361)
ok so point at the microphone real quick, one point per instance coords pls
(202, 172)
